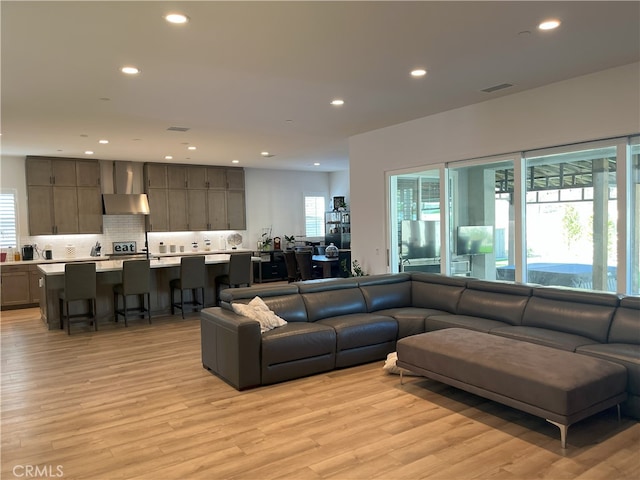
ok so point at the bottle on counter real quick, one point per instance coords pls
(16, 254)
(163, 248)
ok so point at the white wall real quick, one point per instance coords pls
(275, 199)
(601, 105)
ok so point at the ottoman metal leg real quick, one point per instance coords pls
(563, 432)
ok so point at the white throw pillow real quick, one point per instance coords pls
(257, 310)
(393, 369)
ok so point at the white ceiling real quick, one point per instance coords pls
(251, 76)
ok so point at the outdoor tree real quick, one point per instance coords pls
(572, 228)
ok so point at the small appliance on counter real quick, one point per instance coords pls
(27, 252)
(47, 254)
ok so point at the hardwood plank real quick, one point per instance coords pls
(135, 403)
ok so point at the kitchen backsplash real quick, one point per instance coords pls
(121, 228)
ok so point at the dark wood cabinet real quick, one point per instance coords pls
(271, 268)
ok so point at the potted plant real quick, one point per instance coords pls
(265, 241)
(291, 241)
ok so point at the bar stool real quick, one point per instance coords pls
(192, 273)
(239, 273)
(79, 284)
(135, 281)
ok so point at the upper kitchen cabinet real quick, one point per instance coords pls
(195, 198)
(155, 181)
(63, 196)
(158, 218)
(45, 171)
(155, 175)
(87, 173)
(176, 176)
(196, 177)
(235, 178)
(217, 178)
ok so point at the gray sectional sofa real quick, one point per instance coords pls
(344, 322)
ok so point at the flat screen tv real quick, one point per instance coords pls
(474, 240)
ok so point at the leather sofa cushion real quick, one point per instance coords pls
(296, 341)
(362, 329)
(390, 295)
(332, 303)
(438, 322)
(436, 291)
(410, 320)
(549, 309)
(500, 301)
(542, 336)
(625, 327)
(289, 307)
(625, 354)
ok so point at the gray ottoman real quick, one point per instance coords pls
(560, 386)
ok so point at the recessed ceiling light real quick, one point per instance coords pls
(191, 147)
(103, 142)
(317, 164)
(265, 154)
(549, 24)
(418, 72)
(88, 152)
(129, 70)
(176, 18)
(235, 161)
(337, 102)
(168, 157)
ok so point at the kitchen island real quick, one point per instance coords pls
(109, 273)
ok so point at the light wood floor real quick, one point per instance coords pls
(135, 402)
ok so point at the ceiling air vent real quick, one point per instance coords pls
(497, 87)
(178, 129)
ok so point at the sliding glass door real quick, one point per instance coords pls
(572, 218)
(481, 219)
(567, 216)
(415, 222)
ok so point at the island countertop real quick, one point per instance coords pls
(51, 269)
(109, 273)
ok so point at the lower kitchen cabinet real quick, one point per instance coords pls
(15, 285)
(20, 285)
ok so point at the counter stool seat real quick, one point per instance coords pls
(192, 275)
(135, 281)
(79, 285)
(239, 273)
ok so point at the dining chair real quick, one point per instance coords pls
(135, 281)
(79, 285)
(192, 277)
(305, 265)
(239, 273)
(293, 274)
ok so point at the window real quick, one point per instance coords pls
(314, 215)
(8, 228)
(571, 218)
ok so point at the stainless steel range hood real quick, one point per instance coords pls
(122, 196)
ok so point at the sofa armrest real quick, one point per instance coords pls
(231, 346)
